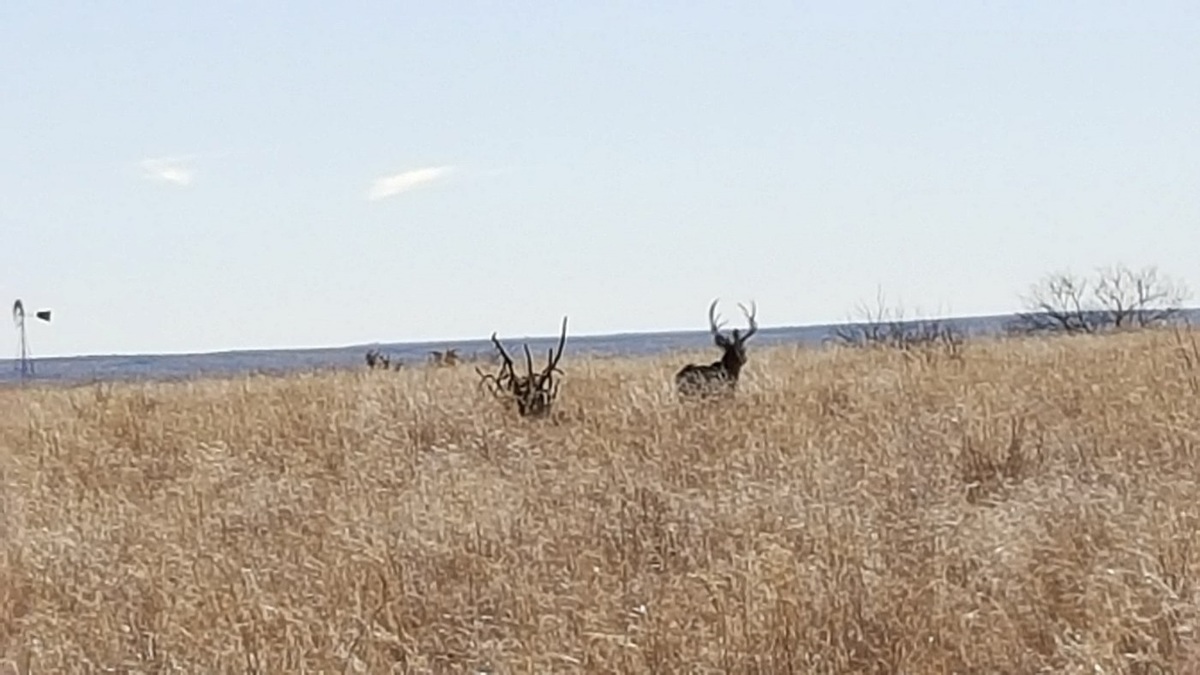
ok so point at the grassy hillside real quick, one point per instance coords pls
(1030, 505)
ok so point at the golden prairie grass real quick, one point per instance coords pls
(1030, 507)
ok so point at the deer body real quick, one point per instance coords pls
(718, 378)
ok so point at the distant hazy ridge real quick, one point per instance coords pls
(169, 366)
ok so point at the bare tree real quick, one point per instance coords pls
(533, 393)
(873, 325)
(884, 327)
(719, 378)
(1060, 302)
(1141, 298)
(1116, 298)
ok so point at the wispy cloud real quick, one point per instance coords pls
(388, 186)
(174, 170)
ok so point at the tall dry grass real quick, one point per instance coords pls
(1030, 507)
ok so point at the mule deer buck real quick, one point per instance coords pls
(534, 393)
(719, 378)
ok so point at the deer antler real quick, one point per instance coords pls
(533, 393)
(503, 354)
(500, 381)
(528, 363)
(750, 318)
(494, 382)
(555, 354)
(712, 318)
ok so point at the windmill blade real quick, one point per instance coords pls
(18, 311)
(43, 314)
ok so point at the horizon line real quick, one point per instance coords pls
(453, 341)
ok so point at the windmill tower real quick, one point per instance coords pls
(24, 364)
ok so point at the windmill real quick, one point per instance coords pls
(24, 365)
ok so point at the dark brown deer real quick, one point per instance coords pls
(719, 378)
(533, 393)
(377, 359)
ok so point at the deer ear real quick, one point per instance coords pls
(721, 341)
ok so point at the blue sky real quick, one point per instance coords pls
(197, 176)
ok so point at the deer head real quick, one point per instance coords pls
(720, 376)
(533, 393)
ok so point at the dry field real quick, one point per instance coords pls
(1032, 507)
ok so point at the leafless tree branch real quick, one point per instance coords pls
(1116, 298)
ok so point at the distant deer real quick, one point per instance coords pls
(720, 377)
(447, 358)
(378, 360)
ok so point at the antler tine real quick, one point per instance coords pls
(554, 356)
(529, 362)
(489, 379)
(500, 348)
(712, 318)
(750, 318)
(547, 375)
